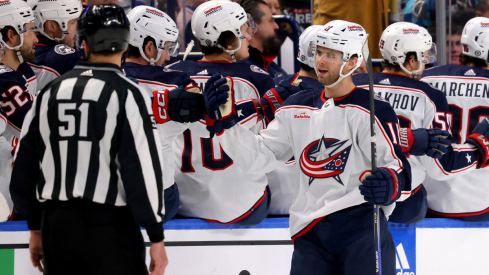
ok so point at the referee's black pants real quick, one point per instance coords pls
(83, 237)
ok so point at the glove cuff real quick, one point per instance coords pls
(482, 144)
(395, 184)
(160, 106)
(406, 139)
(274, 99)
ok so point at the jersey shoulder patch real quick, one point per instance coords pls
(63, 49)
(5, 69)
(257, 69)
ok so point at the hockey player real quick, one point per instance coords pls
(282, 179)
(16, 76)
(406, 47)
(152, 41)
(211, 186)
(328, 132)
(56, 24)
(465, 87)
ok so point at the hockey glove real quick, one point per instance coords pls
(215, 95)
(382, 187)
(178, 105)
(432, 142)
(274, 97)
(480, 139)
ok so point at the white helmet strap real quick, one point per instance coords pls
(17, 48)
(341, 74)
(231, 52)
(413, 73)
(54, 39)
(152, 61)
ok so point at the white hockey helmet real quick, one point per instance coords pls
(400, 38)
(343, 36)
(475, 38)
(307, 40)
(212, 18)
(60, 11)
(148, 21)
(16, 13)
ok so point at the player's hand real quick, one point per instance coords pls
(430, 142)
(35, 249)
(178, 105)
(274, 97)
(215, 95)
(159, 260)
(480, 138)
(381, 187)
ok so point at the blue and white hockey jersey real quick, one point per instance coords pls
(156, 78)
(419, 105)
(330, 139)
(15, 99)
(211, 186)
(52, 60)
(467, 91)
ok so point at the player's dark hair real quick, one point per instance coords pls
(4, 32)
(134, 51)
(307, 68)
(467, 60)
(225, 39)
(253, 8)
(396, 67)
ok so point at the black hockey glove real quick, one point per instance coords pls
(220, 108)
(430, 142)
(178, 105)
(381, 188)
(480, 139)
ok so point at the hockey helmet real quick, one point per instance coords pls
(16, 13)
(400, 38)
(104, 27)
(148, 21)
(60, 11)
(343, 36)
(212, 18)
(475, 38)
(306, 45)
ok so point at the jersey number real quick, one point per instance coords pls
(66, 114)
(18, 96)
(455, 115)
(208, 159)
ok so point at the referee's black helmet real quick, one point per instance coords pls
(105, 28)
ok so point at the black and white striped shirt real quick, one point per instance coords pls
(90, 134)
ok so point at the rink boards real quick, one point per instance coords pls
(433, 246)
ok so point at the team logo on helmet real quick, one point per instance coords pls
(325, 158)
(483, 24)
(410, 31)
(381, 44)
(328, 28)
(155, 12)
(4, 3)
(355, 28)
(212, 10)
(63, 49)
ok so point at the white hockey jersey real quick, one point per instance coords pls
(211, 185)
(330, 140)
(467, 92)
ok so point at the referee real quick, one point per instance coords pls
(88, 171)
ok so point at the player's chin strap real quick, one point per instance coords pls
(414, 74)
(54, 39)
(152, 61)
(233, 57)
(359, 62)
(17, 48)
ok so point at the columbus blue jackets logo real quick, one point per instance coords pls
(63, 49)
(325, 158)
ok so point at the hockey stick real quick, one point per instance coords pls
(373, 155)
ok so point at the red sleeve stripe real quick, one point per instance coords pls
(396, 183)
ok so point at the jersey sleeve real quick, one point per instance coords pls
(257, 154)
(389, 152)
(141, 164)
(15, 102)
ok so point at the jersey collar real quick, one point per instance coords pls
(323, 97)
